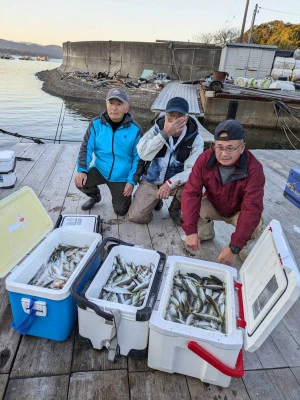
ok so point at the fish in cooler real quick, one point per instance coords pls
(197, 301)
(63, 261)
(127, 283)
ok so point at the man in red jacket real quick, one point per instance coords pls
(233, 182)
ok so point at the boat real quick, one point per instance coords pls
(42, 58)
(26, 58)
(6, 56)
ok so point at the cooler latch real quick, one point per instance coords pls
(240, 321)
(40, 307)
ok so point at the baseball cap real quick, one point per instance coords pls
(116, 93)
(233, 128)
(177, 104)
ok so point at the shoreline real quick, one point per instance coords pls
(68, 86)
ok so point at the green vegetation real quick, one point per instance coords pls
(285, 36)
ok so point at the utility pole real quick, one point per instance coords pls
(244, 21)
(256, 11)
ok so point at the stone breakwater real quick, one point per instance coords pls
(69, 86)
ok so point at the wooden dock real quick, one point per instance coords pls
(36, 368)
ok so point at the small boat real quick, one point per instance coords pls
(42, 58)
(7, 57)
(26, 58)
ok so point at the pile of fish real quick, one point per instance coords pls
(197, 301)
(127, 283)
(63, 261)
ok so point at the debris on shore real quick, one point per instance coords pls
(93, 87)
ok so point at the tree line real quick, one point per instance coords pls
(285, 36)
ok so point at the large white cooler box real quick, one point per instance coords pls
(25, 227)
(121, 328)
(257, 298)
(8, 176)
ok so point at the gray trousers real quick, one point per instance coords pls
(120, 202)
(145, 200)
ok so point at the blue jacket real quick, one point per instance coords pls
(116, 156)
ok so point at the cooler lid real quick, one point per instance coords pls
(6, 155)
(270, 285)
(24, 223)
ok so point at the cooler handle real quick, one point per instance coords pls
(80, 299)
(25, 325)
(236, 372)
(144, 314)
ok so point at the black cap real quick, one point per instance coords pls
(233, 128)
(177, 104)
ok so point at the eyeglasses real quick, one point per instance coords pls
(229, 149)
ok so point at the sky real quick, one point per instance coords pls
(58, 21)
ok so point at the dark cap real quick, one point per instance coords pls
(116, 93)
(177, 104)
(233, 128)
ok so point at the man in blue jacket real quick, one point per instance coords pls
(112, 139)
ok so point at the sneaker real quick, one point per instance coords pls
(90, 203)
(206, 231)
(159, 205)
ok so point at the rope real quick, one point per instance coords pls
(36, 139)
(279, 108)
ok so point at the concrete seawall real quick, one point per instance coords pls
(185, 61)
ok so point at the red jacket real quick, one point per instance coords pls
(243, 192)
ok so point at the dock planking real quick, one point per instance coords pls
(32, 367)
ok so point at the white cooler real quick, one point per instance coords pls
(123, 329)
(257, 298)
(25, 227)
(7, 169)
(82, 222)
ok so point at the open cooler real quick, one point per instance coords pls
(26, 243)
(122, 328)
(256, 299)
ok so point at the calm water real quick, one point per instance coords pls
(29, 111)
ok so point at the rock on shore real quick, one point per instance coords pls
(69, 86)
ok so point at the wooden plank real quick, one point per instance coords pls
(296, 372)
(285, 382)
(23, 167)
(86, 358)
(9, 339)
(200, 390)
(137, 365)
(37, 356)
(99, 385)
(158, 385)
(260, 386)
(251, 361)
(42, 169)
(270, 356)
(109, 219)
(53, 194)
(46, 388)
(3, 382)
(292, 321)
(287, 345)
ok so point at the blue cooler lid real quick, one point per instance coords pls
(270, 285)
(24, 223)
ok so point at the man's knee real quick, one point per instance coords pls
(137, 217)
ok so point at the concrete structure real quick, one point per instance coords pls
(180, 60)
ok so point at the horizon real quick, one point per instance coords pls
(128, 19)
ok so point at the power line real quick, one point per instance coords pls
(283, 12)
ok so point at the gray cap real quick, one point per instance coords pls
(117, 93)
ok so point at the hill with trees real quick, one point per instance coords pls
(30, 49)
(285, 36)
